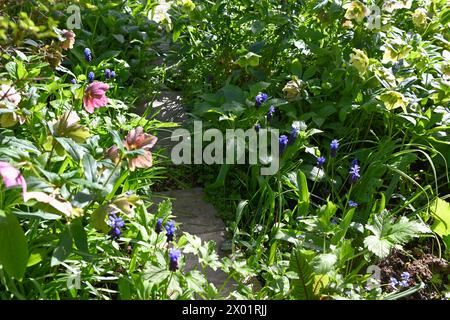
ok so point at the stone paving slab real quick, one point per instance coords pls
(199, 218)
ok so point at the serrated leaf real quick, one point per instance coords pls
(380, 247)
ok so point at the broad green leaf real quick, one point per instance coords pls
(303, 284)
(324, 263)
(13, 246)
(98, 219)
(380, 247)
(64, 247)
(79, 235)
(441, 212)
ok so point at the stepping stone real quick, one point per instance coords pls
(168, 108)
(199, 218)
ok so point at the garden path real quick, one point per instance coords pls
(195, 215)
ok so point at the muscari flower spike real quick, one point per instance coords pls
(354, 173)
(91, 76)
(283, 141)
(116, 223)
(113, 74)
(170, 230)
(294, 133)
(174, 255)
(320, 161)
(107, 73)
(87, 54)
(73, 81)
(270, 113)
(334, 145)
(257, 127)
(260, 98)
(158, 228)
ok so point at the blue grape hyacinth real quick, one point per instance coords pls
(170, 230)
(87, 54)
(354, 173)
(257, 127)
(320, 161)
(174, 256)
(270, 113)
(113, 74)
(91, 76)
(107, 74)
(158, 227)
(283, 141)
(294, 133)
(260, 98)
(116, 224)
(334, 145)
(73, 81)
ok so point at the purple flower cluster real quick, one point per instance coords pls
(404, 282)
(260, 99)
(354, 173)
(170, 230)
(320, 161)
(91, 76)
(87, 54)
(270, 113)
(174, 256)
(334, 145)
(158, 227)
(283, 142)
(116, 224)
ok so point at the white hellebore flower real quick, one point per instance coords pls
(160, 14)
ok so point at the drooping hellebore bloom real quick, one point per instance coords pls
(87, 54)
(170, 230)
(334, 145)
(12, 177)
(94, 96)
(283, 141)
(270, 113)
(174, 255)
(354, 173)
(158, 227)
(260, 98)
(320, 161)
(9, 99)
(137, 139)
(69, 39)
(116, 223)
(91, 76)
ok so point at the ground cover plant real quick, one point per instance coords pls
(359, 91)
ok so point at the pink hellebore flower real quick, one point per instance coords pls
(94, 96)
(137, 139)
(69, 39)
(12, 177)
